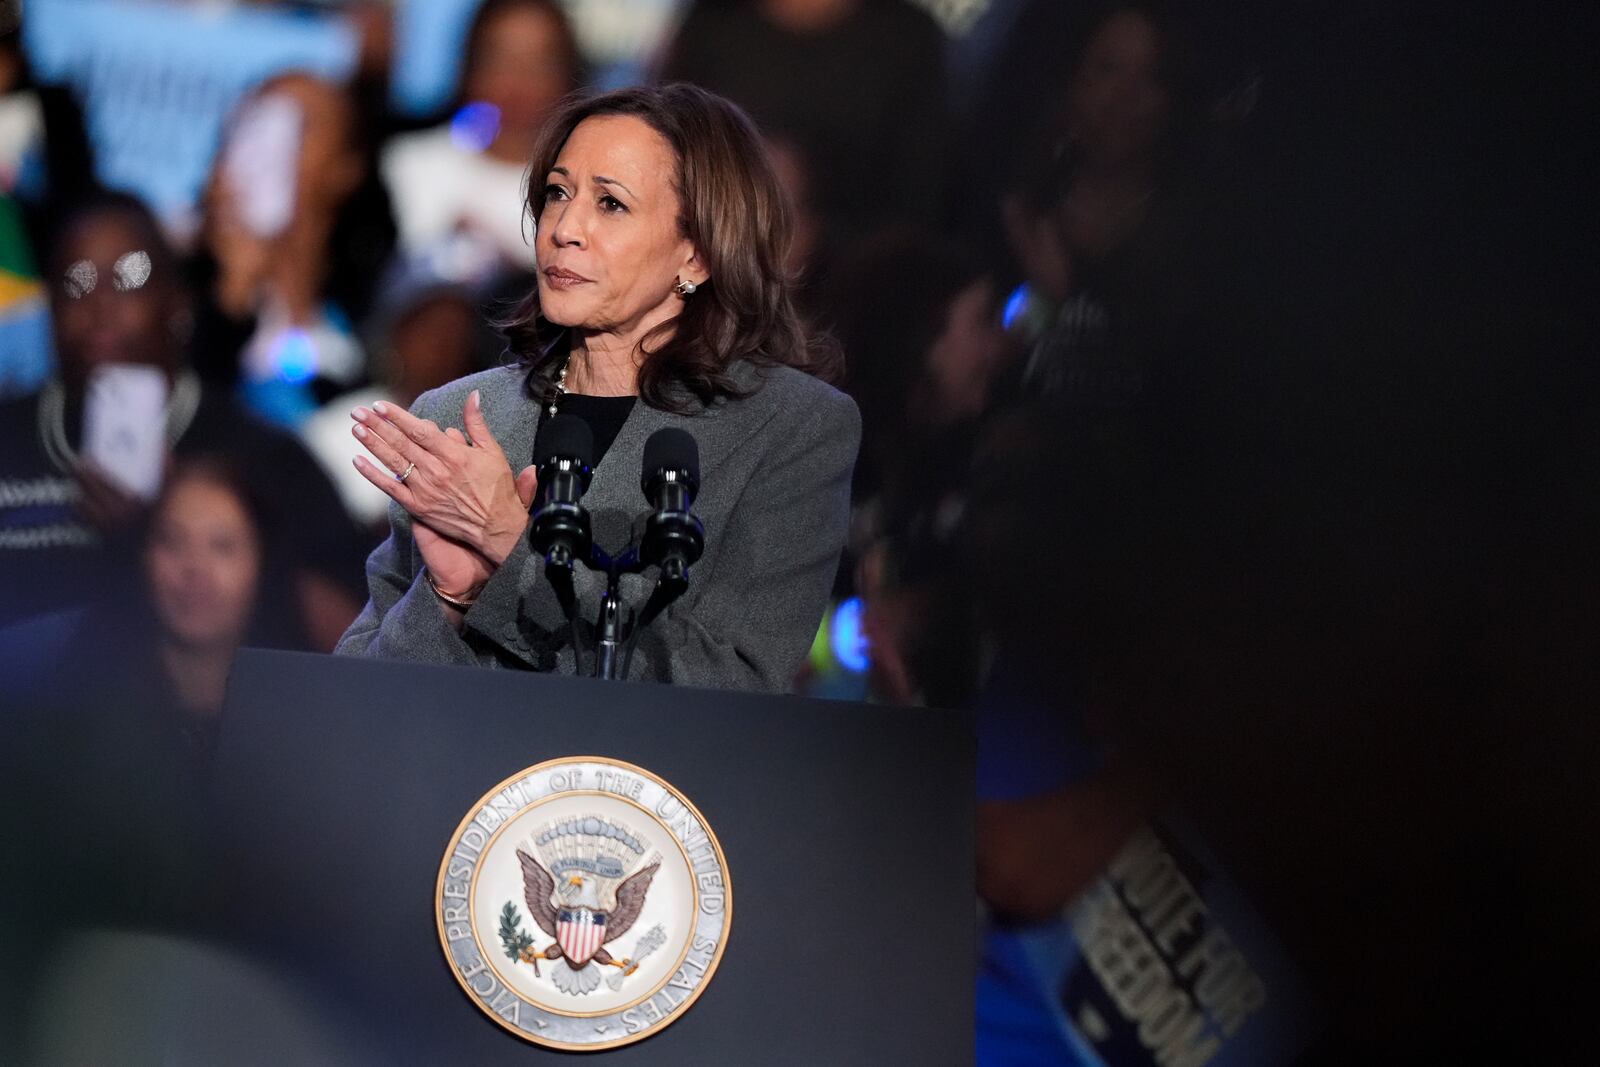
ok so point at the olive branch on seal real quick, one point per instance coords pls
(512, 937)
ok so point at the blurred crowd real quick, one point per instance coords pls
(237, 198)
(1021, 220)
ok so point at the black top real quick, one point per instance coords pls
(604, 414)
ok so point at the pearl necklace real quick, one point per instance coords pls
(561, 387)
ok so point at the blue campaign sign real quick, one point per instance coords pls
(1172, 966)
(1161, 961)
(157, 81)
(430, 37)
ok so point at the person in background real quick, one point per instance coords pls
(426, 330)
(128, 695)
(861, 83)
(205, 558)
(157, 81)
(918, 320)
(1106, 889)
(463, 183)
(1096, 217)
(69, 530)
(373, 22)
(295, 235)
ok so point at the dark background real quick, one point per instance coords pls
(1376, 588)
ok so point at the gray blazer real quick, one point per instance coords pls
(775, 500)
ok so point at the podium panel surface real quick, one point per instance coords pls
(847, 831)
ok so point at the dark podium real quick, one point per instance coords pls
(847, 831)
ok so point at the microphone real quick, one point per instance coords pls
(560, 530)
(673, 538)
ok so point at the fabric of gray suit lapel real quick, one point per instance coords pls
(615, 500)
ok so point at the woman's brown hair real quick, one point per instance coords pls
(736, 213)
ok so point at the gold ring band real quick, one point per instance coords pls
(401, 477)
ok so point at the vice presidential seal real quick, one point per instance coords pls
(583, 903)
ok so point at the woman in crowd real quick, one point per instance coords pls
(859, 83)
(297, 229)
(425, 330)
(466, 179)
(205, 566)
(127, 695)
(1095, 215)
(920, 325)
(661, 301)
(68, 529)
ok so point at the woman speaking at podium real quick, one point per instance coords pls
(661, 301)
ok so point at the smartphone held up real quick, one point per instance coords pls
(125, 425)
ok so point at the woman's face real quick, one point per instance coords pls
(108, 307)
(203, 562)
(609, 247)
(520, 67)
(964, 358)
(1117, 104)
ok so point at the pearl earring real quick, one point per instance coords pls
(684, 288)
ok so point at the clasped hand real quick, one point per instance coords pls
(468, 509)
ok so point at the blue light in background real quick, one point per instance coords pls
(1015, 303)
(295, 357)
(475, 126)
(849, 644)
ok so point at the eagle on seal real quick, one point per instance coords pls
(572, 911)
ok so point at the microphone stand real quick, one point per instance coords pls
(609, 631)
(559, 570)
(616, 634)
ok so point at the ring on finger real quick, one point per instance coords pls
(403, 475)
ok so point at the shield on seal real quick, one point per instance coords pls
(580, 932)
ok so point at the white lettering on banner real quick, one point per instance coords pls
(1184, 1001)
(1143, 989)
